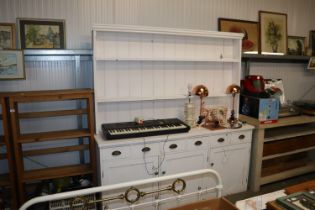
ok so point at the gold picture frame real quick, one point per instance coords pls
(11, 64)
(273, 33)
(250, 43)
(7, 36)
(41, 34)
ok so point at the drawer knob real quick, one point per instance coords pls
(173, 146)
(116, 153)
(198, 143)
(221, 140)
(241, 137)
(146, 149)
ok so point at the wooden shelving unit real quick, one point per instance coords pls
(281, 150)
(7, 181)
(85, 132)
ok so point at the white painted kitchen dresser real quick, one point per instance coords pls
(144, 72)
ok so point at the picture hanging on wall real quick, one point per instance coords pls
(7, 36)
(41, 34)
(11, 64)
(273, 33)
(312, 42)
(248, 28)
(296, 45)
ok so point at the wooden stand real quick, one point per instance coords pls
(21, 138)
(7, 180)
(281, 150)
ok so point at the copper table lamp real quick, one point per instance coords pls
(201, 91)
(233, 121)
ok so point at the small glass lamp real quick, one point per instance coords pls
(233, 121)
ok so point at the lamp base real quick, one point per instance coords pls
(234, 122)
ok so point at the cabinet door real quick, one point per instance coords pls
(232, 163)
(183, 162)
(129, 170)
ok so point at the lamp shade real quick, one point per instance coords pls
(233, 89)
(201, 90)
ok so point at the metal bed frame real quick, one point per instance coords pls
(78, 199)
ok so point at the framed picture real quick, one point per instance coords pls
(311, 63)
(312, 41)
(296, 45)
(248, 28)
(7, 36)
(41, 34)
(273, 33)
(12, 64)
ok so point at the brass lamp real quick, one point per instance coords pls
(201, 91)
(233, 121)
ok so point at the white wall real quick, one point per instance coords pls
(80, 15)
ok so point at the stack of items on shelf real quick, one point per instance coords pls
(258, 102)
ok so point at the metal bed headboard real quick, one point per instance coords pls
(77, 196)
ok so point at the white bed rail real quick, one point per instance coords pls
(103, 189)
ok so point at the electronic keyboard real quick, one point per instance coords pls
(147, 128)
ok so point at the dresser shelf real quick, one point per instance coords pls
(146, 71)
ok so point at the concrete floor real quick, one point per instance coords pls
(271, 187)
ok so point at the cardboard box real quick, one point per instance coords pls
(266, 110)
(211, 204)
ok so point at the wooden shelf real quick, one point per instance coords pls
(2, 143)
(288, 153)
(56, 172)
(4, 180)
(55, 150)
(289, 173)
(26, 115)
(275, 58)
(289, 132)
(285, 121)
(53, 135)
(3, 156)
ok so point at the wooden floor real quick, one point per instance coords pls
(272, 187)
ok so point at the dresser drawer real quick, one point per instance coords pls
(219, 140)
(116, 153)
(241, 137)
(173, 146)
(197, 143)
(147, 149)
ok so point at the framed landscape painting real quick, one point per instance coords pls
(7, 36)
(273, 33)
(296, 45)
(248, 28)
(42, 34)
(11, 64)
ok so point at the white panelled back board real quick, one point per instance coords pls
(145, 71)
